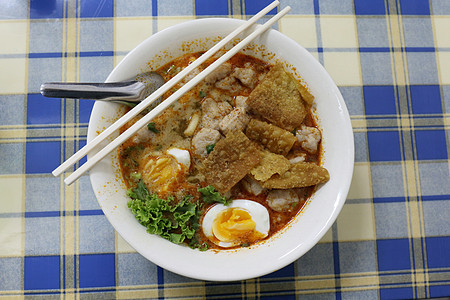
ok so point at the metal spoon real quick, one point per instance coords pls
(128, 92)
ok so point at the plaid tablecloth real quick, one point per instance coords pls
(391, 61)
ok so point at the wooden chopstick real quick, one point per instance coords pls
(159, 92)
(167, 102)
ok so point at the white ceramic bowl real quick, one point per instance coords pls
(303, 232)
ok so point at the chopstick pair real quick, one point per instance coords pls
(167, 102)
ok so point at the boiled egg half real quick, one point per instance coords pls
(241, 222)
(160, 172)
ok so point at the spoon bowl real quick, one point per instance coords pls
(129, 92)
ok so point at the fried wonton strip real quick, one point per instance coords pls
(274, 138)
(232, 158)
(299, 175)
(306, 95)
(270, 164)
(277, 99)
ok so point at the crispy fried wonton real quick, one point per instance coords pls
(301, 174)
(278, 99)
(306, 95)
(270, 164)
(232, 158)
(274, 138)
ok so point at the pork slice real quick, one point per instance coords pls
(202, 139)
(299, 158)
(221, 72)
(246, 76)
(235, 120)
(213, 112)
(230, 84)
(309, 138)
(282, 200)
(191, 75)
(241, 101)
(252, 186)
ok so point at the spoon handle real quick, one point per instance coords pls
(130, 91)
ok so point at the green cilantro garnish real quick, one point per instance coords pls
(135, 176)
(210, 195)
(135, 162)
(210, 148)
(170, 70)
(152, 127)
(202, 94)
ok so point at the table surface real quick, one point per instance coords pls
(391, 61)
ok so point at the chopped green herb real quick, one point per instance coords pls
(210, 148)
(210, 195)
(131, 149)
(245, 245)
(135, 163)
(170, 70)
(174, 222)
(135, 176)
(203, 247)
(152, 127)
(140, 192)
(294, 131)
(202, 94)
(194, 244)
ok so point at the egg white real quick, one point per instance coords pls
(182, 156)
(258, 213)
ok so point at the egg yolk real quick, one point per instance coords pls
(235, 224)
(161, 173)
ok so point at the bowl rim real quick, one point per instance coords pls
(295, 251)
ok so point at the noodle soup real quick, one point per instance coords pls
(231, 162)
